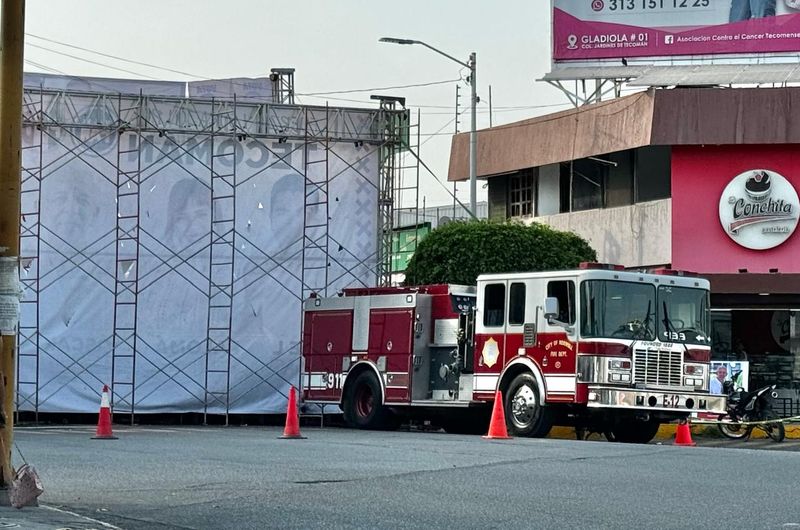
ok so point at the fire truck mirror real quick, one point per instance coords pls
(550, 308)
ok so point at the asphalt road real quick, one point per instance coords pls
(247, 478)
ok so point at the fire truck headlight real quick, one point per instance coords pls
(694, 369)
(619, 378)
(619, 364)
(692, 381)
(593, 396)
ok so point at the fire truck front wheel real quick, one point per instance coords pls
(362, 405)
(635, 432)
(526, 415)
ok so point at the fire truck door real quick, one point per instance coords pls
(490, 338)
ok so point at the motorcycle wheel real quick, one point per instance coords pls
(734, 431)
(776, 431)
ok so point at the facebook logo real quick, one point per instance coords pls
(668, 39)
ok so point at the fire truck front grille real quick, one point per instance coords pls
(657, 367)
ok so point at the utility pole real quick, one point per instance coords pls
(12, 34)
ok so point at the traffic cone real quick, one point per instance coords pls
(104, 419)
(683, 436)
(497, 425)
(292, 429)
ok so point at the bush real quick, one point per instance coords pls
(459, 251)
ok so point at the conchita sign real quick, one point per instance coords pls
(759, 209)
(587, 30)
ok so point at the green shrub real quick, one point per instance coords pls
(459, 251)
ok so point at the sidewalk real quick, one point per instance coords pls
(46, 517)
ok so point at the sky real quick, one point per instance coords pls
(333, 45)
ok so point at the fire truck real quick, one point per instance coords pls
(598, 348)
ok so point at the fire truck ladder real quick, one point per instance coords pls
(29, 243)
(315, 264)
(405, 194)
(126, 292)
(221, 269)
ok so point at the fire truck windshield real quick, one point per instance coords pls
(615, 309)
(683, 315)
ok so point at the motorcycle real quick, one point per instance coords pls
(746, 407)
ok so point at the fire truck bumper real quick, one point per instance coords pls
(656, 400)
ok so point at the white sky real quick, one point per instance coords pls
(332, 44)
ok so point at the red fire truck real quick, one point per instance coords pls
(598, 348)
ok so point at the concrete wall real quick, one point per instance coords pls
(633, 236)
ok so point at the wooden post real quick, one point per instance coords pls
(12, 34)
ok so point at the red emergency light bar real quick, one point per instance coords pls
(590, 265)
(672, 272)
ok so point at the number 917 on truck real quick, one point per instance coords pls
(598, 348)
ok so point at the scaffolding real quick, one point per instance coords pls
(350, 162)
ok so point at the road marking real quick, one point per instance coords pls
(101, 523)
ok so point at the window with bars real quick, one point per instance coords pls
(520, 194)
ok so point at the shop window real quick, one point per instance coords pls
(520, 194)
(763, 345)
(619, 184)
(564, 291)
(494, 304)
(516, 304)
(498, 198)
(586, 180)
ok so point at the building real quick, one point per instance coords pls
(698, 179)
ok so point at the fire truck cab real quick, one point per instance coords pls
(598, 348)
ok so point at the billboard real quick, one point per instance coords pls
(588, 30)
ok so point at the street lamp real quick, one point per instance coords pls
(473, 135)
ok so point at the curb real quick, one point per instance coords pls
(667, 432)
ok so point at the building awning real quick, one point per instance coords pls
(682, 116)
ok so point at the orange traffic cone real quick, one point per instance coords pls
(104, 419)
(683, 436)
(292, 429)
(497, 425)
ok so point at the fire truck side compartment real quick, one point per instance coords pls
(420, 368)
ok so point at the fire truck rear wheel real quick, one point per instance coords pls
(526, 415)
(362, 405)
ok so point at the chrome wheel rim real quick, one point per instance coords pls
(523, 406)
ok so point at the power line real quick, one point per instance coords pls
(89, 61)
(180, 72)
(439, 131)
(353, 91)
(110, 56)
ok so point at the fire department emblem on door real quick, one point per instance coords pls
(490, 352)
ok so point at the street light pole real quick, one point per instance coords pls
(473, 134)
(473, 139)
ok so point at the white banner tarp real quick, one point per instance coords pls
(80, 251)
